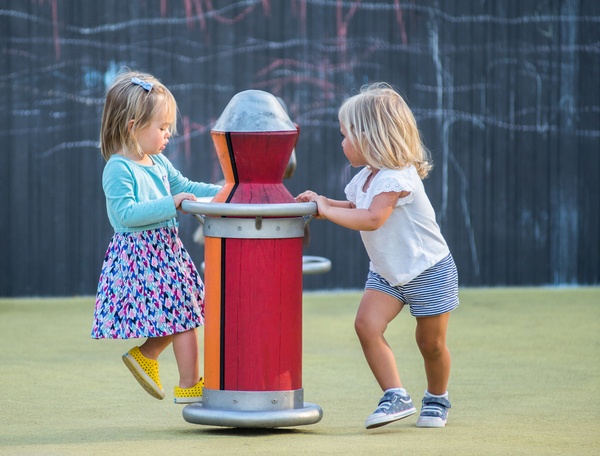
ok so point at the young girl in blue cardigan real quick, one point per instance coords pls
(149, 287)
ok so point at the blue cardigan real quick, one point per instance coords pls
(140, 197)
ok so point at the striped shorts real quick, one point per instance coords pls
(433, 292)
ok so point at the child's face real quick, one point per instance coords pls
(154, 138)
(353, 156)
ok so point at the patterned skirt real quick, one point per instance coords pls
(149, 287)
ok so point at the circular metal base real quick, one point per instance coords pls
(197, 414)
(253, 409)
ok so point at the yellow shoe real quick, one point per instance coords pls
(145, 371)
(189, 395)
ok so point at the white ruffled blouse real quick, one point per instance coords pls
(410, 241)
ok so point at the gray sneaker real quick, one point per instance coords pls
(392, 407)
(434, 412)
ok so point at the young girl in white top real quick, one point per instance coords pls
(410, 263)
(149, 287)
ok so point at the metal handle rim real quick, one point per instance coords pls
(250, 210)
(315, 264)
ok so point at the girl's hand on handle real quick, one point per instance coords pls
(308, 197)
(180, 197)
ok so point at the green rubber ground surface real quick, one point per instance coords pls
(525, 381)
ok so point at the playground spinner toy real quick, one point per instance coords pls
(253, 230)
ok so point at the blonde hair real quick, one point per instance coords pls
(380, 126)
(133, 96)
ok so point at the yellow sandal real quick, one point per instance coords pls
(145, 371)
(189, 395)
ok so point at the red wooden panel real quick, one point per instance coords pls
(262, 157)
(263, 311)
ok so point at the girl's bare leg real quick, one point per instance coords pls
(185, 347)
(375, 312)
(431, 339)
(154, 346)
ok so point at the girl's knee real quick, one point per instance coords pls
(366, 328)
(431, 346)
(431, 335)
(361, 327)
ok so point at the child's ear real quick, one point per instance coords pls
(130, 125)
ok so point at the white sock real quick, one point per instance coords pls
(444, 396)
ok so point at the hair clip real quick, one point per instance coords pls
(145, 85)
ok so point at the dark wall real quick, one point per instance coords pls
(506, 95)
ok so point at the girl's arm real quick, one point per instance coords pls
(344, 213)
(181, 184)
